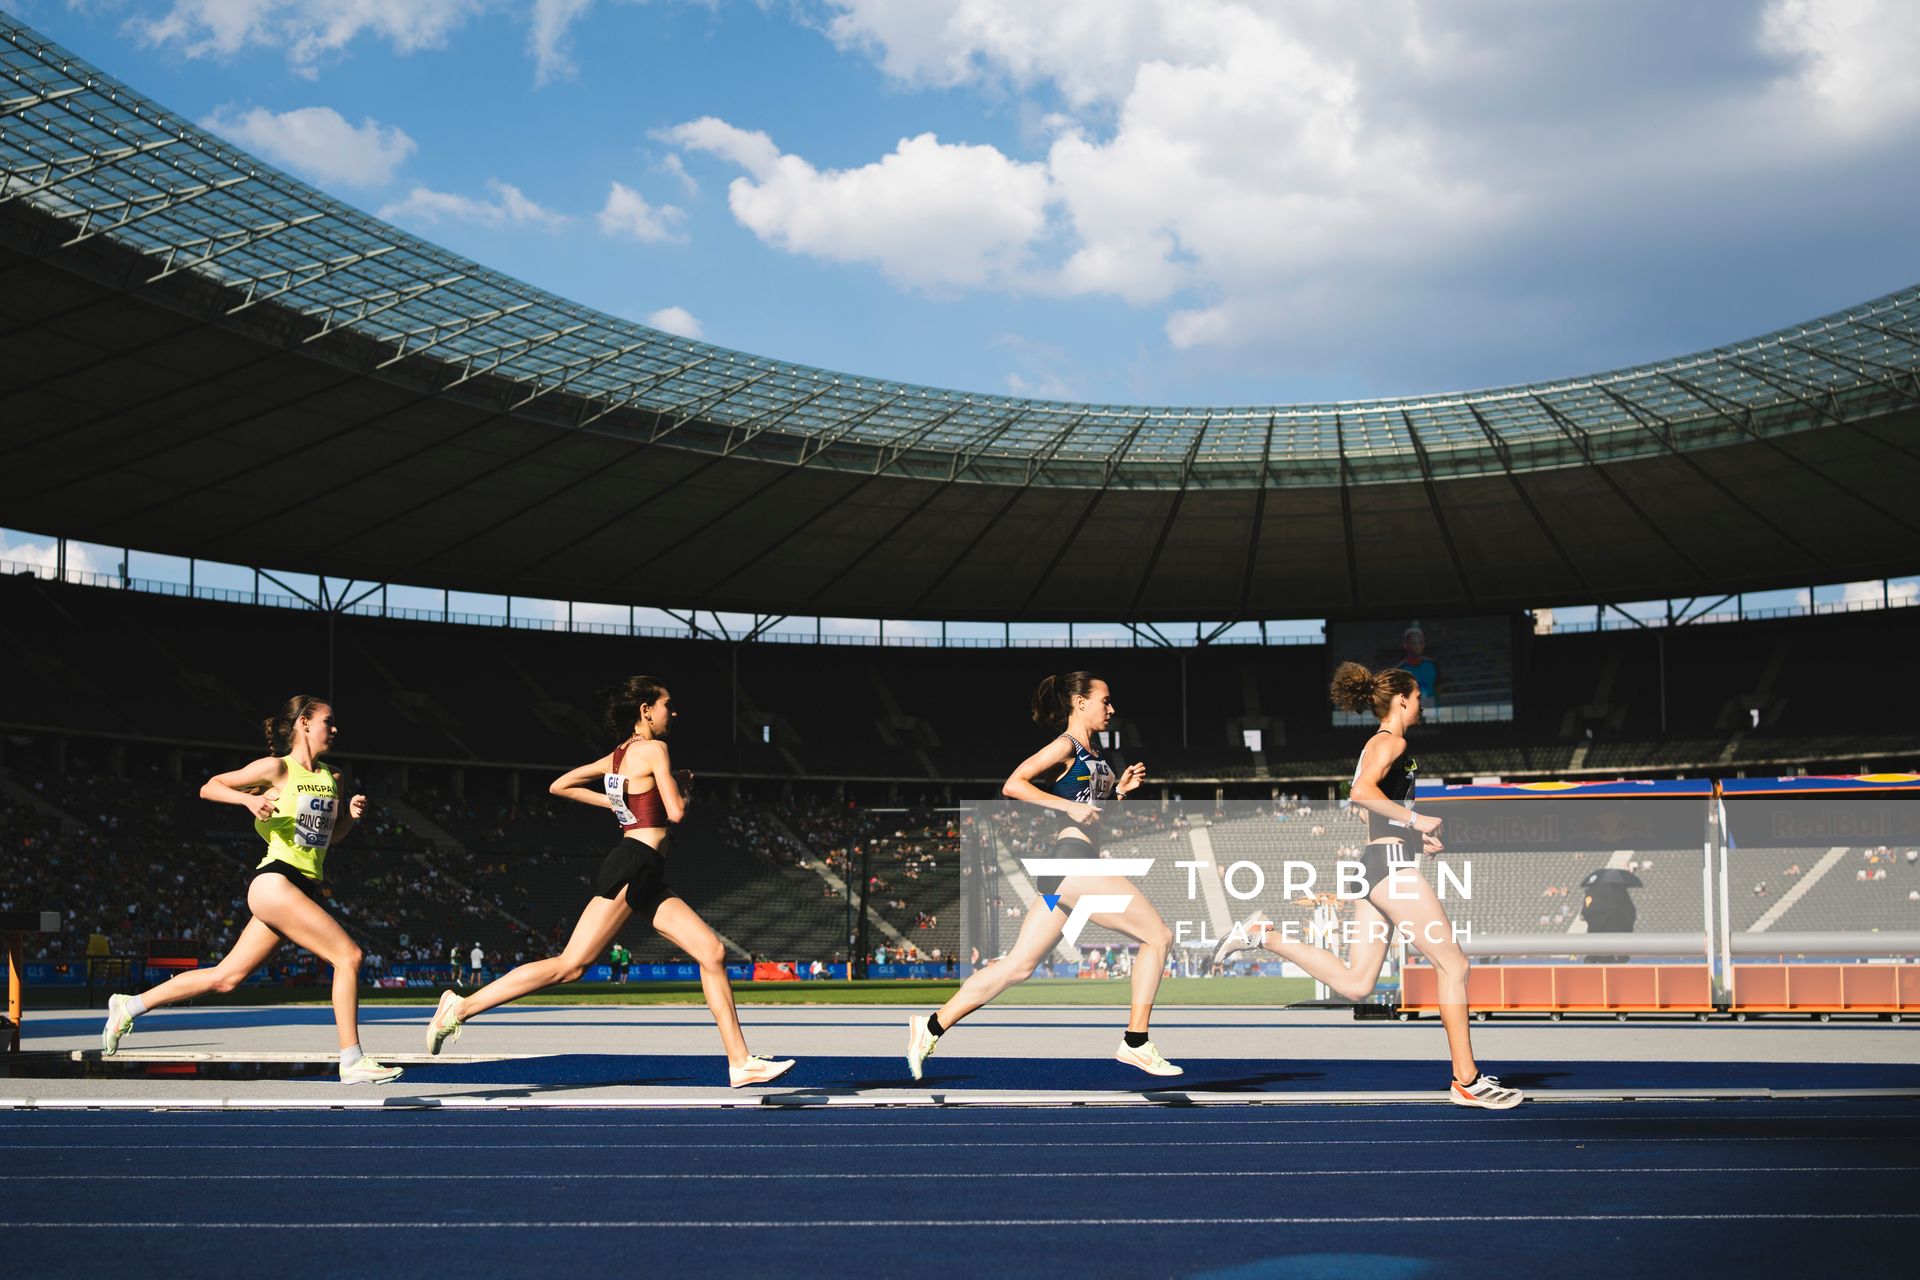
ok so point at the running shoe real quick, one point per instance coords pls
(1242, 938)
(119, 1022)
(1485, 1092)
(443, 1028)
(920, 1043)
(1147, 1058)
(758, 1071)
(368, 1071)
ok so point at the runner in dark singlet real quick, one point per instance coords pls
(1069, 776)
(1397, 894)
(637, 783)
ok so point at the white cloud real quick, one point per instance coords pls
(627, 213)
(929, 214)
(1217, 148)
(1856, 57)
(547, 37)
(1213, 149)
(1317, 177)
(1041, 371)
(46, 555)
(677, 320)
(318, 142)
(675, 168)
(312, 31)
(309, 30)
(509, 208)
(1898, 592)
(752, 151)
(1047, 387)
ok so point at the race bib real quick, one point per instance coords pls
(313, 821)
(616, 788)
(1103, 780)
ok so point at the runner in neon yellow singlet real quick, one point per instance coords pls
(302, 826)
(297, 809)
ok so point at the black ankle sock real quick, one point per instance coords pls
(1135, 1039)
(933, 1024)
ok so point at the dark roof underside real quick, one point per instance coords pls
(202, 355)
(151, 418)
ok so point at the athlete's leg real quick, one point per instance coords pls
(600, 922)
(1352, 978)
(1038, 935)
(305, 923)
(1141, 923)
(681, 925)
(1419, 914)
(249, 951)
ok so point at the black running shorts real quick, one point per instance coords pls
(1379, 859)
(641, 870)
(1064, 847)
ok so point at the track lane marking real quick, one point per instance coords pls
(861, 1146)
(937, 1120)
(702, 1176)
(664, 1224)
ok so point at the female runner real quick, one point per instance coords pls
(1070, 777)
(636, 781)
(1383, 785)
(295, 807)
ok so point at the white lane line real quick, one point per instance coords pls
(702, 1176)
(862, 1146)
(714, 1224)
(936, 1120)
(369, 1099)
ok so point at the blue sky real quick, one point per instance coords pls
(1161, 201)
(1143, 201)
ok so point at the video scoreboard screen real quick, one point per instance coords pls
(1464, 665)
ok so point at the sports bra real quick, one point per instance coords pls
(632, 812)
(1396, 784)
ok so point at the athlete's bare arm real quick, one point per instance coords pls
(1046, 763)
(344, 824)
(247, 786)
(582, 784)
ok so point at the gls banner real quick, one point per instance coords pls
(1089, 904)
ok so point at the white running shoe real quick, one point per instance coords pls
(758, 1071)
(119, 1022)
(368, 1071)
(1485, 1092)
(1147, 1058)
(1242, 938)
(920, 1043)
(443, 1028)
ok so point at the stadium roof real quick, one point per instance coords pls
(205, 356)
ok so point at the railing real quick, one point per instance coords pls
(1820, 609)
(403, 613)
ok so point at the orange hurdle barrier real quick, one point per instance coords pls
(14, 928)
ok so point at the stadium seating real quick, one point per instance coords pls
(446, 696)
(456, 730)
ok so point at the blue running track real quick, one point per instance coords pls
(1636, 1191)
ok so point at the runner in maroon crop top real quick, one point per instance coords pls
(633, 811)
(637, 783)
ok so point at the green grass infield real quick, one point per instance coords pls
(1174, 993)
